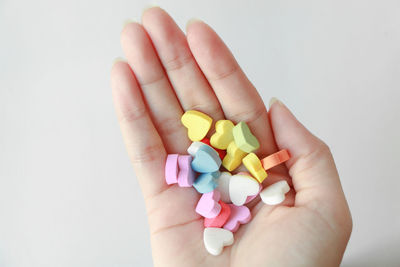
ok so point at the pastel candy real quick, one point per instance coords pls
(239, 215)
(275, 193)
(186, 175)
(223, 186)
(253, 165)
(208, 205)
(223, 135)
(240, 187)
(250, 198)
(206, 182)
(244, 139)
(197, 124)
(171, 169)
(215, 239)
(206, 160)
(233, 157)
(194, 147)
(275, 159)
(222, 217)
(205, 157)
(220, 152)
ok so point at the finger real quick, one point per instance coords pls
(189, 83)
(160, 98)
(239, 99)
(311, 165)
(144, 145)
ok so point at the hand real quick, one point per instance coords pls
(167, 73)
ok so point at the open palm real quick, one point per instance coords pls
(167, 73)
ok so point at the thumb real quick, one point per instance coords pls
(311, 166)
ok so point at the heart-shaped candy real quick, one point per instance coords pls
(206, 182)
(197, 124)
(240, 187)
(223, 186)
(222, 217)
(220, 152)
(208, 205)
(253, 165)
(186, 175)
(244, 139)
(171, 169)
(194, 147)
(233, 157)
(275, 159)
(250, 198)
(206, 160)
(215, 239)
(223, 134)
(275, 193)
(239, 215)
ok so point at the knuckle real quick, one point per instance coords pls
(152, 81)
(149, 153)
(177, 62)
(323, 149)
(210, 109)
(317, 154)
(249, 116)
(170, 126)
(129, 115)
(225, 74)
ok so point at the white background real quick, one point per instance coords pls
(68, 195)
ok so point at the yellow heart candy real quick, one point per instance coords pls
(223, 135)
(197, 124)
(254, 166)
(233, 157)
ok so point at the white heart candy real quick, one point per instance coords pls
(275, 193)
(216, 238)
(240, 187)
(192, 149)
(223, 186)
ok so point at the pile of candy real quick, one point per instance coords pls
(230, 146)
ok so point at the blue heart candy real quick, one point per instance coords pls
(206, 160)
(206, 182)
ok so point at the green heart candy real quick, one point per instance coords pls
(244, 139)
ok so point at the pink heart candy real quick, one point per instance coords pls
(208, 205)
(222, 217)
(239, 215)
(186, 175)
(171, 169)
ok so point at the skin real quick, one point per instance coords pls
(168, 72)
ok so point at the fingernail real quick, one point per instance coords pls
(149, 7)
(273, 101)
(127, 21)
(118, 59)
(191, 21)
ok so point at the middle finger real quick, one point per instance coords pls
(160, 98)
(189, 83)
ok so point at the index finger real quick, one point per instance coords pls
(239, 99)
